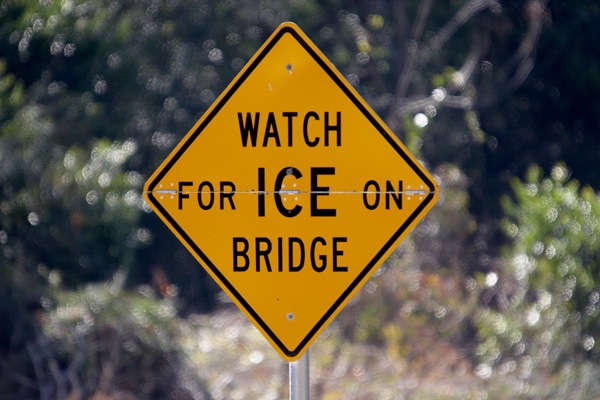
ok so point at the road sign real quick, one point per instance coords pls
(290, 191)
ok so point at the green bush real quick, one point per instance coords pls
(104, 342)
(549, 321)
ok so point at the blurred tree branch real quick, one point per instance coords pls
(518, 67)
(459, 93)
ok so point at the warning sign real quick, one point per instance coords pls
(290, 191)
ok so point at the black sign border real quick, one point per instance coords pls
(344, 86)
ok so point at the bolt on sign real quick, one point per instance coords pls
(290, 191)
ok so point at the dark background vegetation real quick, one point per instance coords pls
(501, 282)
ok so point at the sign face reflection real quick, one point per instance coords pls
(290, 191)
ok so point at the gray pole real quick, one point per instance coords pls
(300, 378)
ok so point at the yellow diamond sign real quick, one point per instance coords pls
(290, 191)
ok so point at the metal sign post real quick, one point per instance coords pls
(300, 378)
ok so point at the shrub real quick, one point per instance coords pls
(550, 320)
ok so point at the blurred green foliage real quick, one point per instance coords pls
(550, 316)
(101, 341)
(95, 93)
